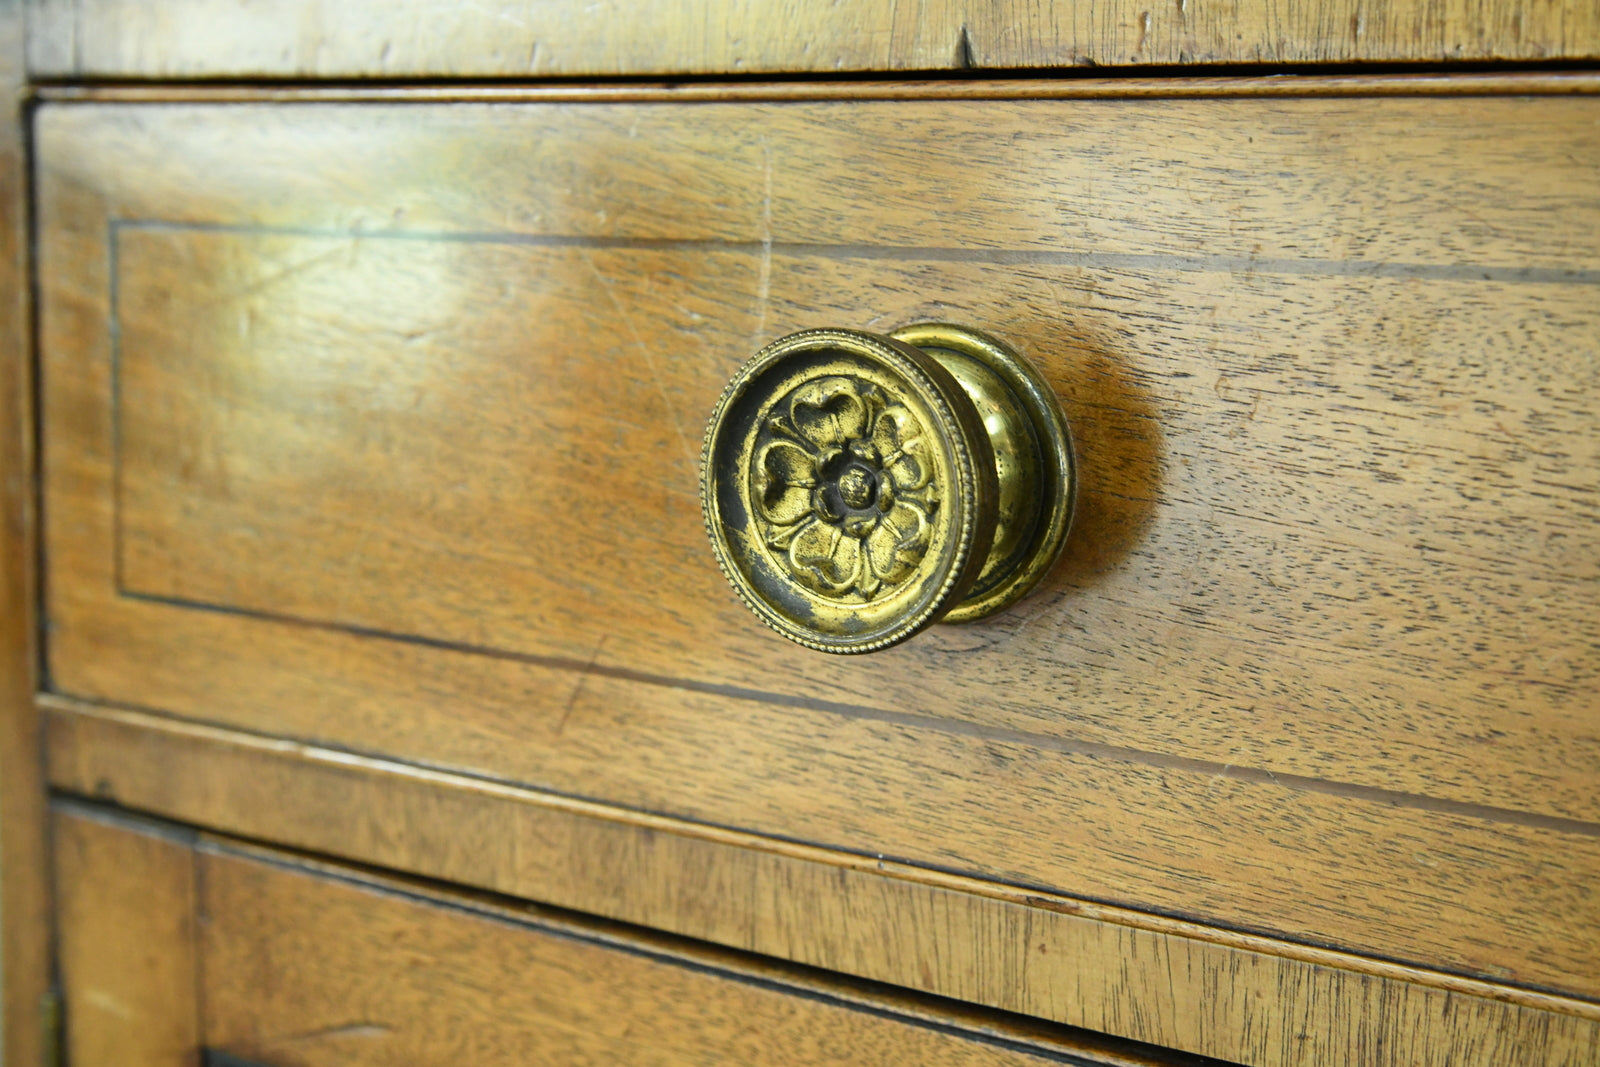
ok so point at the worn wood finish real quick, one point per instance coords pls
(516, 38)
(24, 890)
(128, 953)
(1320, 662)
(312, 963)
(1241, 998)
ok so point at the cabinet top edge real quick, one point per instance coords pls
(580, 38)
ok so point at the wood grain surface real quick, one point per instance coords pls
(1242, 998)
(24, 891)
(518, 38)
(127, 923)
(307, 963)
(378, 428)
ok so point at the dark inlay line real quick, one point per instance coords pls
(955, 727)
(114, 339)
(995, 256)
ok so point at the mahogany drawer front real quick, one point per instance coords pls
(376, 427)
(176, 944)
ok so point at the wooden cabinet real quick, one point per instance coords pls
(369, 422)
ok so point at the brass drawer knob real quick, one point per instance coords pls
(859, 487)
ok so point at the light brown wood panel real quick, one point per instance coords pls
(126, 935)
(1351, 515)
(315, 964)
(499, 38)
(1243, 998)
(403, 461)
(1231, 502)
(26, 1008)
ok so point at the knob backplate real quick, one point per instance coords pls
(1033, 457)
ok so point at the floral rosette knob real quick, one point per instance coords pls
(859, 487)
(841, 488)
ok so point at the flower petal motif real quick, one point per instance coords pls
(825, 558)
(908, 471)
(786, 475)
(785, 505)
(789, 464)
(898, 543)
(893, 425)
(898, 437)
(829, 412)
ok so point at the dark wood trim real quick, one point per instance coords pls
(24, 887)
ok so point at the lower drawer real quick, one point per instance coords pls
(173, 944)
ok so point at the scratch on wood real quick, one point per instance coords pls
(577, 687)
(672, 410)
(364, 1029)
(764, 280)
(107, 1003)
(298, 267)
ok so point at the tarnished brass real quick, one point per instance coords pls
(1032, 455)
(859, 487)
